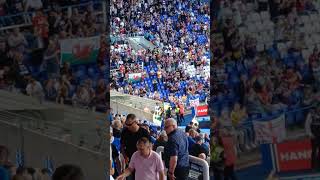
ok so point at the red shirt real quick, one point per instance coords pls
(40, 24)
(229, 150)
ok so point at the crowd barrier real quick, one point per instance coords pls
(199, 168)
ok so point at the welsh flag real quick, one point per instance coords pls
(135, 77)
(80, 50)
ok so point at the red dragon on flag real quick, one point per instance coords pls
(82, 51)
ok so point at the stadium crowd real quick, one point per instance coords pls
(178, 66)
(127, 130)
(265, 63)
(30, 53)
(10, 171)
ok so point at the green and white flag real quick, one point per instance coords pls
(80, 50)
(135, 77)
(157, 119)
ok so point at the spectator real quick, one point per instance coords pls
(230, 155)
(17, 41)
(176, 152)
(117, 127)
(130, 136)
(146, 163)
(112, 169)
(4, 153)
(198, 149)
(189, 126)
(34, 89)
(191, 138)
(68, 172)
(51, 60)
(161, 141)
(217, 158)
(312, 126)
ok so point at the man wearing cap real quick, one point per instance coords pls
(176, 154)
(130, 136)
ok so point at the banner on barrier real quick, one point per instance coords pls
(194, 102)
(80, 50)
(272, 131)
(293, 155)
(202, 110)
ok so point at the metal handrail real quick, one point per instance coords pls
(194, 160)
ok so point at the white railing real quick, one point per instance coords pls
(204, 166)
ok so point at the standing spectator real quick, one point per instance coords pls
(146, 163)
(130, 136)
(41, 28)
(177, 111)
(181, 108)
(176, 154)
(51, 60)
(230, 155)
(217, 158)
(117, 127)
(312, 126)
(112, 169)
(4, 173)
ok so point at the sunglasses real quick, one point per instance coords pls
(129, 124)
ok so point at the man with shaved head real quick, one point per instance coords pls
(176, 154)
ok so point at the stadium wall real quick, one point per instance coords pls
(37, 147)
(121, 108)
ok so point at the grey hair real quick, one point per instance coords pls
(173, 121)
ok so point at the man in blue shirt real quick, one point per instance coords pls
(4, 153)
(176, 154)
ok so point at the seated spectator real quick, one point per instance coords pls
(34, 89)
(81, 98)
(68, 172)
(198, 150)
(50, 90)
(4, 155)
(161, 141)
(191, 138)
